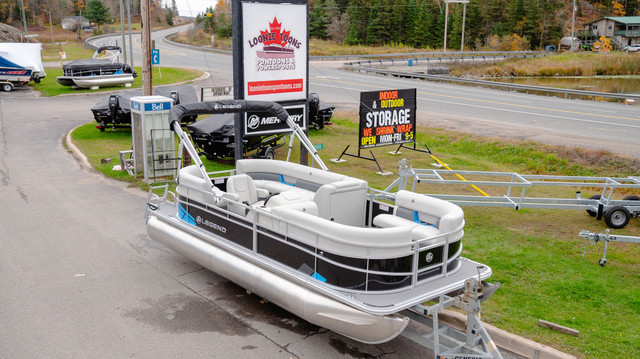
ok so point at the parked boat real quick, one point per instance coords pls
(19, 64)
(102, 70)
(322, 245)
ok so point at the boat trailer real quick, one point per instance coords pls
(616, 213)
(606, 238)
(447, 342)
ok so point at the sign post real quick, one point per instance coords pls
(270, 62)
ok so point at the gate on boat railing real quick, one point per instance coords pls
(615, 212)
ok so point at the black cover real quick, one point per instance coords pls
(95, 67)
(122, 116)
(221, 124)
(186, 93)
(214, 138)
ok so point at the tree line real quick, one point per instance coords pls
(497, 24)
(38, 12)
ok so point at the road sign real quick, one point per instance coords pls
(318, 146)
(155, 56)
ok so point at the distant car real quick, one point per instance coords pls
(632, 48)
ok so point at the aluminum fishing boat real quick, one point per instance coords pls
(322, 245)
(102, 70)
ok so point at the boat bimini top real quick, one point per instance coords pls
(322, 245)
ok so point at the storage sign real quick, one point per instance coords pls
(387, 117)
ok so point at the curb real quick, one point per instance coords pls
(516, 344)
(82, 159)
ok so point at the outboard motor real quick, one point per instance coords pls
(176, 97)
(114, 103)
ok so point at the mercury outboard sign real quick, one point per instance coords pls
(259, 123)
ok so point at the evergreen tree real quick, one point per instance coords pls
(96, 12)
(473, 33)
(376, 28)
(455, 27)
(358, 11)
(318, 20)
(517, 18)
(410, 22)
(174, 7)
(531, 27)
(438, 29)
(394, 15)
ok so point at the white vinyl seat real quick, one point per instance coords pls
(242, 185)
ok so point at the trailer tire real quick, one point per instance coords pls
(269, 153)
(617, 217)
(602, 262)
(593, 213)
(7, 87)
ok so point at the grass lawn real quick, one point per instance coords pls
(161, 76)
(536, 254)
(72, 50)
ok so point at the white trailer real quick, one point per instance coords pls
(616, 213)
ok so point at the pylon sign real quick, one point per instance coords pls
(270, 61)
(275, 51)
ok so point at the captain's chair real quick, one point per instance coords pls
(243, 186)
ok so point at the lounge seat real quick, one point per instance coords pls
(331, 236)
(427, 217)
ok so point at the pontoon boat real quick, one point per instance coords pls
(322, 245)
(102, 70)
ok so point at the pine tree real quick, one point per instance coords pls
(411, 21)
(318, 20)
(174, 7)
(96, 12)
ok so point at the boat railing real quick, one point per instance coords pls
(265, 224)
(155, 201)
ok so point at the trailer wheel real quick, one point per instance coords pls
(269, 153)
(602, 262)
(7, 87)
(593, 213)
(617, 217)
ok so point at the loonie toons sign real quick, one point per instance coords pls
(275, 51)
(387, 117)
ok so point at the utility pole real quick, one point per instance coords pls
(24, 19)
(124, 44)
(130, 41)
(573, 21)
(51, 26)
(146, 49)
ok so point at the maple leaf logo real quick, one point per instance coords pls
(275, 34)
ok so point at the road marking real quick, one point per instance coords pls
(509, 104)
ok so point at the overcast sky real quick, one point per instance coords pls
(196, 6)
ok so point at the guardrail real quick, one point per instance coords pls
(438, 56)
(628, 98)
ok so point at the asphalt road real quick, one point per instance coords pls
(577, 123)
